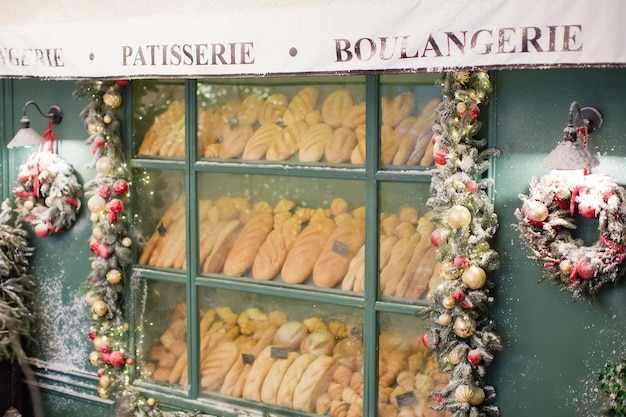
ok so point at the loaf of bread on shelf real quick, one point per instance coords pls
(216, 365)
(275, 376)
(285, 394)
(424, 133)
(396, 109)
(247, 243)
(388, 144)
(173, 213)
(288, 143)
(313, 143)
(336, 106)
(400, 255)
(170, 245)
(421, 264)
(261, 366)
(306, 249)
(273, 252)
(405, 136)
(234, 140)
(342, 245)
(301, 104)
(273, 108)
(248, 112)
(340, 146)
(261, 140)
(166, 126)
(223, 244)
(313, 383)
(354, 116)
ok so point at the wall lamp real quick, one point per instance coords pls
(571, 153)
(27, 136)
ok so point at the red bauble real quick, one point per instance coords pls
(585, 270)
(471, 187)
(438, 398)
(458, 294)
(120, 187)
(440, 156)
(41, 230)
(105, 348)
(116, 206)
(117, 358)
(111, 217)
(586, 211)
(103, 251)
(104, 191)
(94, 245)
(461, 262)
(435, 237)
(92, 334)
(475, 112)
(99, 141)
(130, 362)
(106, 357)
(425, 339)
(474, 356)
(122, 83)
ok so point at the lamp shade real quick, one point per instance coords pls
(26, 136)
(570, 155)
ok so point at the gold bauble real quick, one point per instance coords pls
(453, 357)
(91, 298)
(94, 358)
(444, 319)
(150, 402)
(458, 216)
(114, 276)
(463, 393)
(103, 393)
(478, 396)
(474, 277)
(99, 308)
(104, 381)
(448, 303)
(464, 326)
(449, 271)
(112, 99)
(565, 267)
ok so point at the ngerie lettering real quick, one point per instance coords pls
(507, 40)
(198, 54)
(32, 57)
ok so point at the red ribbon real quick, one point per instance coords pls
(50, 136)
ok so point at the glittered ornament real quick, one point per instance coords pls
(474, 356)
(42, 230)
(478, 396)
(103, 393)
(116, 358)
(448, 302)
(585, 270)
(536, 210)
(91, 298)
(458, 216)
(112, 99)
(440, 155)
(463, 393)
(104, 191)
(96, 204)
(94, 358)
(565, 267)
(127, 242)
(474, 277)
(116, 206)
(150, 402)
(444, 319)
(114, 276)
(104, 165)
(453, 357)
(104, 381)
(99, 308)
(120, 186)
(464, 326)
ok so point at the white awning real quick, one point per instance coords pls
(69, 39)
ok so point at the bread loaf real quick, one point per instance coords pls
(223, 244)
(275, 376)
(313, 382)
(354, 116)
(234, 141)
(301, 104)
(288, 143)
(313, 143)
(306, 249)
(318, 342)
(248, 112)
(273, 109)
(340, 146)
(216, 365)
(258, 372)
(336, 106)
(398, 260)
(247, 244)
(261, 140)
(396, 109)
(171, 215)
(342, 245)
(273, 251)
(285, 394)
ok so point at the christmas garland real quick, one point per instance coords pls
(546, 222)
(460, 331)
(16, 284)
(613, 386)
(48, 193)
(110, 243)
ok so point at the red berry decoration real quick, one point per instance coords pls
(92, 334)
(121, 83)
(440, 156)
(461, 262)
(435, 237)
(117, 358)
(104, 191)
(475, 112)
(99, 141)
(471, 187)
(41, 230)
(120, 187)
(587, 211)
(94, 245)
(458, 295)
(438, 398)
(130, 362)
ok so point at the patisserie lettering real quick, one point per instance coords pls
(36, 57)
(232, 53)
(511, 40)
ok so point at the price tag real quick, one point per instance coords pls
(162, 230)
(279, 352)
(247, 358)
(406, 399)
(340, 248)
(357, 332)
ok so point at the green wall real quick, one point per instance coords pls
(553, 347)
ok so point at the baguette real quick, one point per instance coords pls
(247, 243)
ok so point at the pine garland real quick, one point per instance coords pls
(613, 386)
(460, 332)
(16, 284)
(110, 243)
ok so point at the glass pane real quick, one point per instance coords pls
(162, 333)
(280, 230)
(407, 371)
(160, 217)
(280, 352)
(407, 116)
(408, 265)
(284, 120)
(159, 118)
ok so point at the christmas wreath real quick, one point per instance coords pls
(48, 193)
(546, 223)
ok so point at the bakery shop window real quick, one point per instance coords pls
(160, 217)
(407, 116)
(279, 352)
(280, 230)
(283, 120)
(159, 118)
(407, 371)
(407, 258)
(162, 333)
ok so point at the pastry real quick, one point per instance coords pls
(300, 105)
(354, 116)
(336, 106)
(261, 140)
(313, 143)
(234, 141)
(340, 146)
(405, 136)
(165, 125)
(290, 335)
(248, 112)
(273, 251)
(306, 249)
(318, 342)
(288, 143)
(273, 108)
